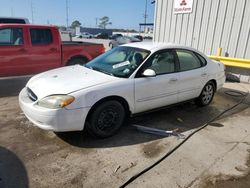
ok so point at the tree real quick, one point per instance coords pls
(104, 21)
(75, 24)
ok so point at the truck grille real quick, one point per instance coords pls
(31, 95)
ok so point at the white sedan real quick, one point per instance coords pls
(85, 35)
(126, 80)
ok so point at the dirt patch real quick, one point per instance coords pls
(152, 150)
(222, 181)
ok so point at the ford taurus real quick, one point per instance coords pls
(124, 81)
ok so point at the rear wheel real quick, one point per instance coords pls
(77, 61)
(106, 119)
(206, 95)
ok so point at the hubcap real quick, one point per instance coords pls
(207, 94)
(108, 119)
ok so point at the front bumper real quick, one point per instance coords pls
(58, 120)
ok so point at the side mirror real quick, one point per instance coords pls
(149, 73)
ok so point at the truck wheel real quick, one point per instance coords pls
(77, 61)
(206, 95)
(106, 119)
(111, 45)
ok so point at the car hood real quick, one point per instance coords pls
(66, 80)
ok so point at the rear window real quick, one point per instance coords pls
(11, 36)
(40, 36)
(187, 60)
(202, 59)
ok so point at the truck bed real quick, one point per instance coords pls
(79, 43)
(73, 48)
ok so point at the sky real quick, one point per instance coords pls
(124, 14)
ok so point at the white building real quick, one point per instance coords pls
(205, 25)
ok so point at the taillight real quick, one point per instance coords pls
(102, 50)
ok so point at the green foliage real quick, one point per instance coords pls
(103, 22)
(75, 24)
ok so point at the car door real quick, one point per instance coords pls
(12, 52)
(160, 90)
(45, 50)
(193, 74)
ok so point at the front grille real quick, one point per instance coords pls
(31, 94)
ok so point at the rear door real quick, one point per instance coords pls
(193, 74)
(161, 90)
(13, 54)
(45, 50)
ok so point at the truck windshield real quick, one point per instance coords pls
(120, 62)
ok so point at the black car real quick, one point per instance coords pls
(4, 20)
(102, 36)
(115, 36)
(138, 37)
(148, 38)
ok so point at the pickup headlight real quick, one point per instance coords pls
(56, 101)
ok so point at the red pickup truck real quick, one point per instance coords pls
(29, 49)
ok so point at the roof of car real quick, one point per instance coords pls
(26, 20)
(154, 46)
(25, 25)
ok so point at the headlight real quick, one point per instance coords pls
(56, 101)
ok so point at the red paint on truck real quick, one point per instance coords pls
(30, 49)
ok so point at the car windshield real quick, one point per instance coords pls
(120, 62)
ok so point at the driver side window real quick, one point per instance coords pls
(11, 36)
(162, 63)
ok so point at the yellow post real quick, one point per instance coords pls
(219, 50)
(234, 62)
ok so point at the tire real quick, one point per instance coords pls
(206, 95)
(106, 119)
(111, 45)
(77, 61)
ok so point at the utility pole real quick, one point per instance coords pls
(12, 11)
(67, 13)
(32, 11)
(96, 22)
(145, 14)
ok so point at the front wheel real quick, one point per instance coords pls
(206, 95)
(106, 119)
(77, 61)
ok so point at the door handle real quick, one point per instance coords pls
(204, 74)
(53, 49)
(22, 50)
